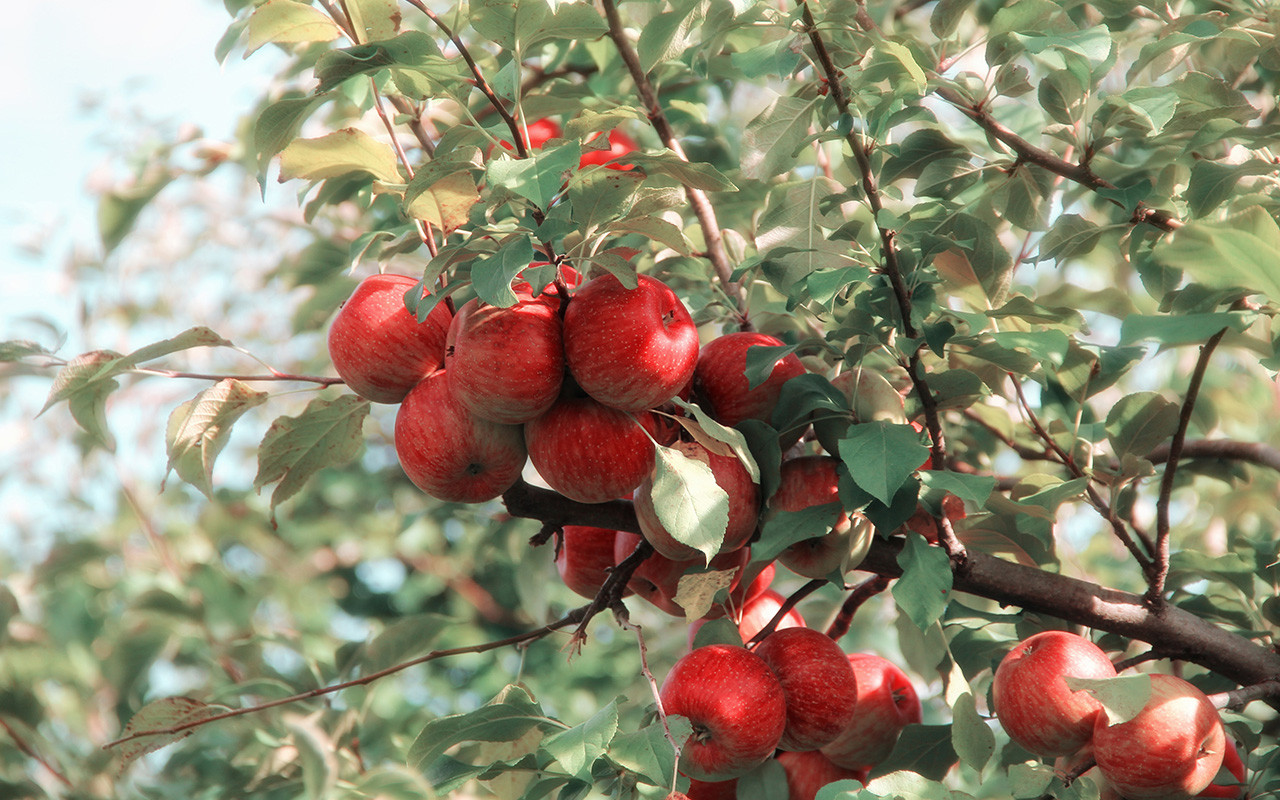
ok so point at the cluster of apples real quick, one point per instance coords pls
(1172, 749)
(824, 715)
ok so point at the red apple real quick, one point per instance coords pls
(887, 703)
(507, 364)
(585, 558)
(619, 145)
(760, 583)
(730, 475)
(720, 381)
(540, 132)
(813, 481)
(1032, 700)
(1234, 765)
(1170, 751)
(590, 452)
(809, 771)
(820, 686)
(923, 522)
(713, 790)
(736, 707)
(378, 347)
(657, 579)
(450, 453)
(632, 349)
(760, 611)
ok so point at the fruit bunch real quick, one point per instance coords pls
(1172, 749)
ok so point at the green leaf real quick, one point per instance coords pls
(881, 456)
(509, 23)
(762, 360)
(402, 640)
(278, 124)
(1211, 183)
(901, 57)
(119, 208)
(18, 349)
(1139, 422)
(1123, 696)
(511, 715)
(374, 19)
(539, 177)
(647, 752)
(946, 17)
(766, 782)
(168, 712)
(974, 489)
(601, 196)
(411, 52)
(688, 502)
(924, 589)
(1170, 330)
(326, 433)
(772, 139)
(442, 193)
(288, 22)
(781, 529)
(734, 438)
(199, 428)
(923, 749)
(492, 276)
(972, 738)
(339, 153)
(1242, 250)
(692, 174)
(664, 37)
(577, 748)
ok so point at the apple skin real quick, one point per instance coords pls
(585, 558)
(619, 145)
(762, 608)
(730, 475)
(540, 132)
(507, 364)
(450, 453)
(632, 349)
(378, 348)
(1170, 751)
(1031, 699)
(887, 703)
(720, 380)
(736, 707)
(589, 452)
(657, 579)
(820, 686)
(809, 771)
(813, 481)
(713, 790)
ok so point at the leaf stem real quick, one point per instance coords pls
(207, 376)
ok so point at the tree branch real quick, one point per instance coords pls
(1226, 449)
(788, 604)
(860, 594)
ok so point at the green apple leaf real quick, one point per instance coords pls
(539, 177)
(648, 753)
(199, 428)
(881, 456)
(339, 153)
(578, 748)
(923, 749)
(1122, 697)
(772, 138)
(924, 589)
(762, 360)
(406, 638)
(511, 715)
(492, 276)
(326, 433)
(1139, 422)
(168, 712)
(1170, 330)
(444, 201)
(1241, 250)
(973, 489)
(688, 501)
(709, 428)
(972, 738)
(288, 22)
(782, 529)
(766, 782)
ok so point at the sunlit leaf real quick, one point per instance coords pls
(924, 589)
(288, 22)
(1123, 696)
(688, 502)
(199, 428)
(158, 715)
(327, 433)
(339, 153)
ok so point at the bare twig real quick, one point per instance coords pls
(1159, 570)
(1258, 453)
(31, 753)
(788, 604)
(1239, 698)
(624, 620)
(207, 376)
(859, 595)
(424, 229)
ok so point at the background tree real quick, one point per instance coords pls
(1051, 227)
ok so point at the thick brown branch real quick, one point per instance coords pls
(1239, 698)
(1226, 449)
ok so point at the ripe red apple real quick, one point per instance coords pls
(730, 475)
(720, 380)
(809, 771)
(540, 132)
(585, 557)
(507, 364)
(657, 579)
(450, 453)
(1170, 751)
(590, 452)
(736, 707)
(820, 686)
(378, 347)
(632, 349)
(1031, 697)
(814, 481)
(619, 145)
(713, 790)
(887, 703)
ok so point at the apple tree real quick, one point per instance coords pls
(652, 384)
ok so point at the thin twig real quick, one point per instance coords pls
(610, 594)
(31, 753)
(1159, 570)
(423, 227)
(207, 376)
(790, 603)
(860, 594)
(624, 620)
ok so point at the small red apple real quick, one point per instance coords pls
(585, 558)
(657, 579)
(450, 453)
(820, 686)
(809, 771)
(619, 145)
(1031, 698)
(590, 452)
(1170, 751)
(736, 707)
(923, 522)
(632, 349)
(720, 381)
(507, 363)
(887, 703)
(730, 475)
(380, 349)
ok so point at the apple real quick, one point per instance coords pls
(590, 452)
(923, 522)
(720, 380)
(820, 686)
(632, 349)
(713, 790)
(1234, 765)
(810, 770)
(1032, 701)
(730, 475)
(870, 397)
(507, 364)
(450, 453)
(657, 579)
(814, 481)
(736, 706)
(1170, 751)
(761, 609)
(760, 583)
(380, 349)
(887, 703)
(619, 145)
(585, 558)
(539, 133)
